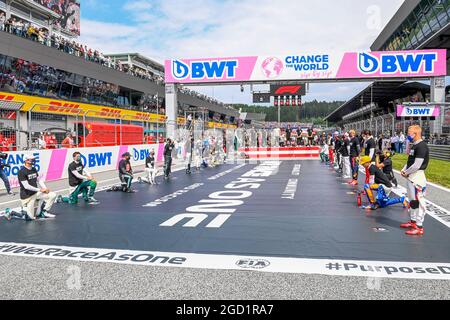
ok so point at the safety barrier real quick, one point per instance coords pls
(440, 152)
(52, 164)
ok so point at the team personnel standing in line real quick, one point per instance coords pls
(369, 150)
(30, 192)
(338, 149)
(126, 173)
(168, 150)
(150, 167)
(414, 171)
(81, 181)
(346, 168)
(354, 151)
(380, 183)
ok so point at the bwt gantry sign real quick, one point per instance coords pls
(309, 67)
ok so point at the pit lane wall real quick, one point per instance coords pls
(52, 164)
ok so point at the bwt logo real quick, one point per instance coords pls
(393, 63)
(199, 70)
(418, 111)
(97, 159)
(253, 264)
(139, 155)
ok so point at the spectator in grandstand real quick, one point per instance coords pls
(80, 182)
(41, 142)
(68, 142)
(8, 25)
(2, 21)
(33, 189)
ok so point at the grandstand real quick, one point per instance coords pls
(49, 81)
(418, 24)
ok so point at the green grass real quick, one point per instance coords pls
(438, 170)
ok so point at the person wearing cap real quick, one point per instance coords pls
(33, 189)
(380, 183)
(150, 167)
(126, 172)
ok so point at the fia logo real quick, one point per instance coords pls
(253, 263)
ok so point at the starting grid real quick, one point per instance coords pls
(266, 264)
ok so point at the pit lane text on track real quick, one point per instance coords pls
(224, 203)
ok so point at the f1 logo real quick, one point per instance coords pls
(288, 89)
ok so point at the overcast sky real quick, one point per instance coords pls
(164, 29)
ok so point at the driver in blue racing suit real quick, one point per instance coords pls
(380, 183)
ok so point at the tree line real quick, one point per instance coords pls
(310, 112)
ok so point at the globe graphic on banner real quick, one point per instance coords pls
(272, 67)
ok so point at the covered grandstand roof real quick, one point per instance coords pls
(138, 57)
(378, 92)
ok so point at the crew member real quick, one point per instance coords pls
(150, 167)
(310, 137)
(414, 171)
(338, 149)
(369, 149)
(347, 171)
(81, 181)
(324, 153)
(3, 176)
(354, 151)
(380, 183)
(68, 142)
(126, 173)
(168, 150)
(30, 192)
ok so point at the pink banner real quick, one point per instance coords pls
(418, 111)
(308, 67)
(423, 63)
